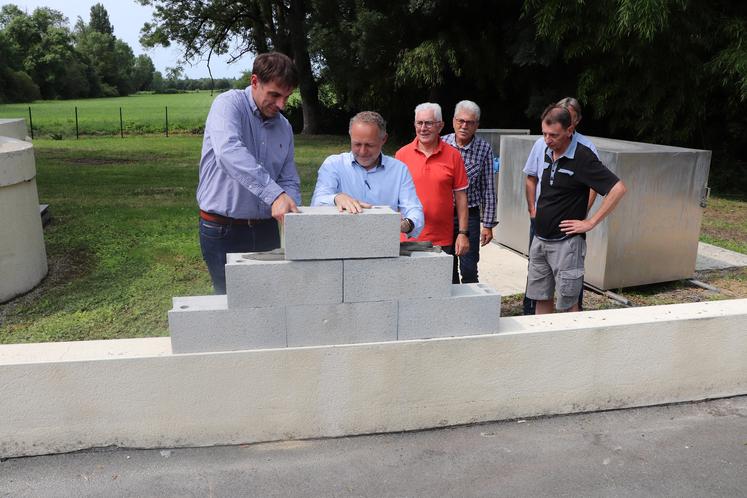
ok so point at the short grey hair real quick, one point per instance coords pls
(369, 117)
(430, 106)
(571, 102)
(469, 106)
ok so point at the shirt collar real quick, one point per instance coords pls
(440, 145)
(379, 162)
(254, 108)
(570, 151)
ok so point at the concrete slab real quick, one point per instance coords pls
(346, 323)
(418, 275)
(471, 309)
(503, 269)
(252, 283)
(205, 323)
(711, 257)
(322, 232)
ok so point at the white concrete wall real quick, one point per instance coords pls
(23, 257)
(68, 396)
(14, 128)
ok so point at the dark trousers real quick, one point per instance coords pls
(467, 264)
(530, 304)
(216, 240)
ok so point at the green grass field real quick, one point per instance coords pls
(141, 113)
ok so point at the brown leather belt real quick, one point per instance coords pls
(225, 220)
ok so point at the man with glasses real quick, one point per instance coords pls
(365, 177)
(440, 181)
(556, 256)
(478, 161)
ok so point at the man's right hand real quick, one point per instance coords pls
(283, 204)
(346, 203)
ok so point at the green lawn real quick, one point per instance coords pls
(141, 113)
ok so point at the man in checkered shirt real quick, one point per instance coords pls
(478, 160)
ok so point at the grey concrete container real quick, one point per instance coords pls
(651, 237)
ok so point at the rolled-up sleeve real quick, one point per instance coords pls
(327, 184)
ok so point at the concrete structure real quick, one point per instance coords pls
(23, 258)
(204, 323)
(275, 302)
(261, 283)
(14, 128)
(322, 232)
(416, 276)
(652, 236)
(60, 397)
(470, 309)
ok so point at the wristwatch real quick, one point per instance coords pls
(464, 232)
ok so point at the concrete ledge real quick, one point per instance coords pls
(68, 396)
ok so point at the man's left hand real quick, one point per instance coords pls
(574, 227)
(461, 246)
(283, 204)
(486, 235)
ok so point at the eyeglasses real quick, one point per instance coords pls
(426, 124)
(465, 122)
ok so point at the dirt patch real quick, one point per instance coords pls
(62, 268)
(731, 284)
(99, 161)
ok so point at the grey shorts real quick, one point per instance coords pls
(556, 268)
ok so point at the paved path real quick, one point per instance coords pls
(696, 449)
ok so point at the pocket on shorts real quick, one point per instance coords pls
(571, 282)
(211, 230)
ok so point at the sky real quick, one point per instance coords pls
(127, 17)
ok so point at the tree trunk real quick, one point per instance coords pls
(307, 84)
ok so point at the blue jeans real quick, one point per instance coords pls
(467, 264)
(216, 240)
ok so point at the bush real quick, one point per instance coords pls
(108, 91)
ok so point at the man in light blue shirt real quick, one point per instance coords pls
(364, 177)
(248, 178)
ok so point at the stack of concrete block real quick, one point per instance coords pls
(339, 280)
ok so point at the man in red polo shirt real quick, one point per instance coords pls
(440, 182)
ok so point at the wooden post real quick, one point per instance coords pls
(31, 124)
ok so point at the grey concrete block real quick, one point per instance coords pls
(419, 275)
(345, 323)
(321, 232)
(204, 323)
(255, 283)
(471, 309)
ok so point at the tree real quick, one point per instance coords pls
(253, 26)
(142, 73)
(100, 20)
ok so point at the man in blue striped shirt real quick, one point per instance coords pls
(248, 177)
(478, 161)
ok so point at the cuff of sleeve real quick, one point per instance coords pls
(325, 200)
(489, 225)
(270, 193)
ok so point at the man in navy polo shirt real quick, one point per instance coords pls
(556, 258)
